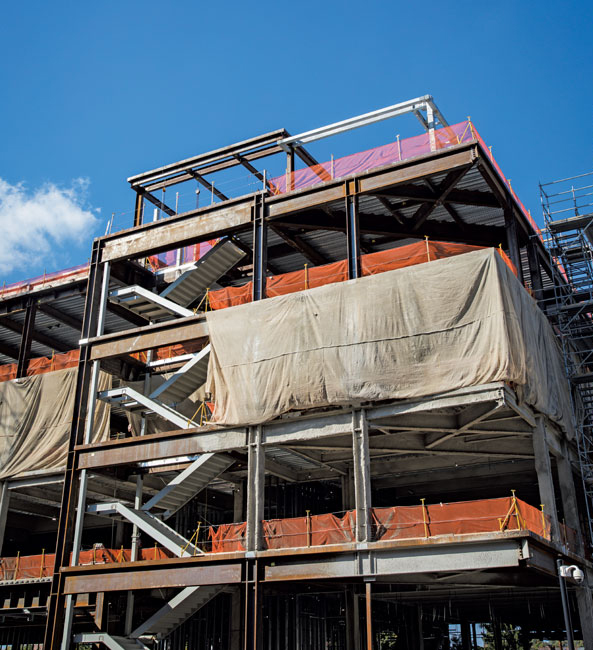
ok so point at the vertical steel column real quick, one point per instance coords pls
(352, 230)
(138, 208)
(369, 616)
(4, 503)
(362, 475)
(260, 248)
(256, 471)
(430, 127)
(134, 554)
(55, 614)
(253, 639)
(290, 169)
(510, 224)
(535, 272)
(568, 493)
(543, 468)
(71, 520)
(26, 339)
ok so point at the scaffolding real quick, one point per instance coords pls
(568, 214)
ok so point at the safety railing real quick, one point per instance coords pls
(423, 521)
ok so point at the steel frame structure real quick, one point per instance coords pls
(433, 195)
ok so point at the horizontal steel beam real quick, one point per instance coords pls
(410, 106)
(178, 231)
(94, 581)
(421, 558)
(147, 338)
(286, 432)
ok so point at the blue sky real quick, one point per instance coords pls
(95, 92)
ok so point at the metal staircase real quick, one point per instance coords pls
(179, 386)
(184, 381)
(151, 525)
(189, 482)
(568, 215)
(188, 288)
(175, 612)
(171, 498)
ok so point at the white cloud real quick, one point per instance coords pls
(36, 224)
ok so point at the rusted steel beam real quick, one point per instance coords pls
(160, 446)
(182, 230)
(209, 157)
(216, 167)
(152, 578)
(148, 337)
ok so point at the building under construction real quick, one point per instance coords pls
(345, 406)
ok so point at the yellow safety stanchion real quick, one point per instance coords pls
(427, 247)
(42, 560)
(425, 519)
(544, 521)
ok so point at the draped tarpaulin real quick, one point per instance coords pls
(413, 332)
(35, 421)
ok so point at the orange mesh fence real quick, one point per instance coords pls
(227, 537)
(389, 260)
(484, 516)
(316, 530)
(47, 279)
(69, 359)
(41, 365)
(181, 255)
(42, 566)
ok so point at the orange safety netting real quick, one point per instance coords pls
(389, 260)
(180, 256)
(41, 365)
(69, 359)
(227, 537)
(42, 566)
(484, 516)
(47, 279)
(372, 158)
(316, 530)
(402, 522)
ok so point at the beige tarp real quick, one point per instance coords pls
(413, 332)
(35, 420)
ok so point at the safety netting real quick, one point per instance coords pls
(362, 161)
(27, 567)
(405, 149)
(501, 515)
(64, 360)
(371, 264)
(394, 523)
(47, 280)
(180, 256)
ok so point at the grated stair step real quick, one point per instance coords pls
(189, 482)
(185, 604)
